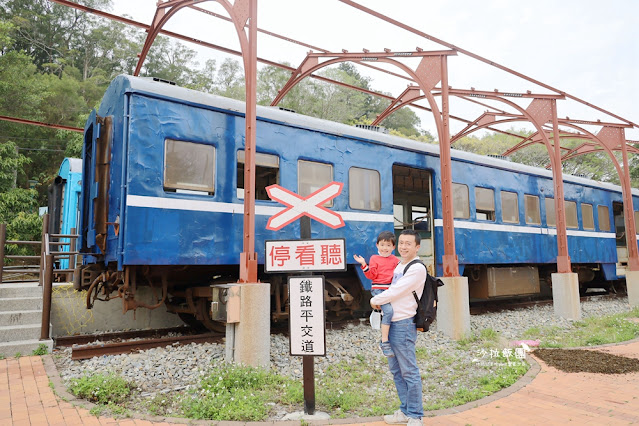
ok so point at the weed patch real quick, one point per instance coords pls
(237, 393)
(591, 331)
(101, 388)
(41, 350)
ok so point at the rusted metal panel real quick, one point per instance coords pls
(501, 282)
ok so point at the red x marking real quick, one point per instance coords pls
(304, 206)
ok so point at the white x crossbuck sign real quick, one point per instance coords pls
(310, 206)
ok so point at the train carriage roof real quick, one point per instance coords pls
(153, 87)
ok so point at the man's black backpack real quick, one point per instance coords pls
(427, 304)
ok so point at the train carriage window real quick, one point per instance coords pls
(571, 214)
(461, 203)
(364, 189)
(485, 204)
(267, 172)
(587, 217)
(604, 218)
(189, 166)
(550, 211)
(533, 216)
(509, 207)
(312, 176)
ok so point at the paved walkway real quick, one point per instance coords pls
(545, 396)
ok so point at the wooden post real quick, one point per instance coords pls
(3, 238)
(43, 248)
(46, 297)
(72, 246)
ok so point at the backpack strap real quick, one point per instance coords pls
(412, 262)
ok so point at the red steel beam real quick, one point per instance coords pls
(291, 40)
(479, 58)
(41, 124)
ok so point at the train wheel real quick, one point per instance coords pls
(203, 315)
(189, 319)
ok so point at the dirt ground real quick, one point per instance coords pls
(587, 361)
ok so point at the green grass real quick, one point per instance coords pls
(239, 393)
(101, 388)
(591, 331)
(355, 387)
(41, 350)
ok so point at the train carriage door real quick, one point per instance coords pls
(412, 201)
(95, 184)
(620, 235)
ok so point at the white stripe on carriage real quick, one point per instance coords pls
(462, 224)
(216, 207)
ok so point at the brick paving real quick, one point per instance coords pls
(545, 396)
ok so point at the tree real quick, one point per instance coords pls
(18, 207)
(48, 32)
(230, 80)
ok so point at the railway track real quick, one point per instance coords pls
(85, 346)
(483, 307)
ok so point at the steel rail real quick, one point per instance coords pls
(90, 351)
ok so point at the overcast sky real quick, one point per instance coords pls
(587, 48)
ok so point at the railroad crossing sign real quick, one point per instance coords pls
(310, 206)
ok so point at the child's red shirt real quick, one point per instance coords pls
(380, 270)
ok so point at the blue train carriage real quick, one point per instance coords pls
(506, 233)
(162, 202)
(63, 204)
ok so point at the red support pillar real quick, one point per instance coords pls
(563, 259)
(629, 214)
(450, 263)
(248, 258)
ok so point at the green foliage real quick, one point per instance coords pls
(101, 388)
(356, 387)
(10, 162)
(41, 350)
(589, 332)
(237, 393)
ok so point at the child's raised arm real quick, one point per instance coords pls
(359, 259)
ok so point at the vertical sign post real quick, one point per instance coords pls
(308, 362)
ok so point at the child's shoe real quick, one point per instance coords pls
(386, 349)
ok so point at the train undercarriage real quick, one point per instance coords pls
(186, 291)
(511, 281)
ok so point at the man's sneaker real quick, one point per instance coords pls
(386, 349)
(397, 418)
(415, 422)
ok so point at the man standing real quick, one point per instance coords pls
(403, 332)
